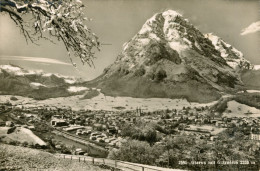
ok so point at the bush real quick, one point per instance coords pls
(140, 71)
(37, 146)
(142, 134)
(30, 145)
(137, 152)
(9, 131)
(91, 94)
(250, 99)
(221, 106)
(25, 144)
(100, 128)
(13, 98)
(160, 75)
(14, 142)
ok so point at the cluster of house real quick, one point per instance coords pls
(110, 140)
(94, 124)
(200, 118)
(97, 127)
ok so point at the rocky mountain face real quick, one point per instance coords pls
(233, 57)
(18, 81)
(169, 57)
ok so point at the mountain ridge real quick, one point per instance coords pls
(15, 80)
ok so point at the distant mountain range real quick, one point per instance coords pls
(18, 81)
(171, 58)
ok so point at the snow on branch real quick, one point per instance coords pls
(62, 19)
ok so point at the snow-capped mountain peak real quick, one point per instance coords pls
(233, 57)
(180, 35)
(168, 54)
(164, 26)
(168, 16)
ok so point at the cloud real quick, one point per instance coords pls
(34, 59)
(252, 28)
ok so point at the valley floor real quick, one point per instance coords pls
(102, 102)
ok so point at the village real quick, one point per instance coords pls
(85, 130)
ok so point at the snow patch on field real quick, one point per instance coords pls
(36, 139)
(253, 91)
(75, 89)
(102, 102)
(240, 110)
(22, 135)
(256, 67)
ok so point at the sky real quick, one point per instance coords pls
(117, 21)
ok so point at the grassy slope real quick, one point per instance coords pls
(249, 99)
(141, 87)
(192, 90)
(90, 94)
(251, 79)
(21, 158)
